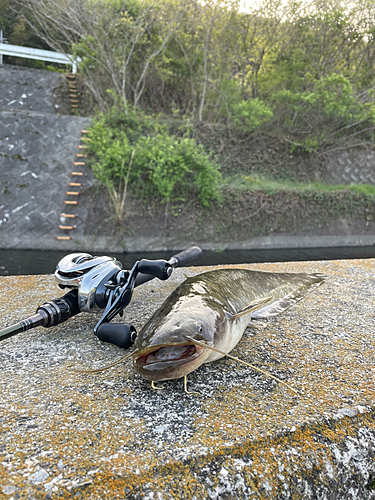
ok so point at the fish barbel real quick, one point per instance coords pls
(213, 308)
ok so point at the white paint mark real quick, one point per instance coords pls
(31, 173)
(20, 207)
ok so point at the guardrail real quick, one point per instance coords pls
(40, 55)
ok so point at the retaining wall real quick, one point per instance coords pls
(38, 149)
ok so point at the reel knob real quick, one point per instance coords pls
(120, 334)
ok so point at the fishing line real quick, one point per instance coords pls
(202, 344)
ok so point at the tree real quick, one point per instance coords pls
(18, 35)
(17, 30)
(117, 40)
(212, 62)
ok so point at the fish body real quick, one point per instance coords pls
(213, 308)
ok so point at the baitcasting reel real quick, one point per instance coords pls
(100, 283)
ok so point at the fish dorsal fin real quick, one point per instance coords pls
(255, 304)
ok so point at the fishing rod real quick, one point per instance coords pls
(99, 283)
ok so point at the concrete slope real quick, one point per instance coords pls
(28, 89)
(37, 151)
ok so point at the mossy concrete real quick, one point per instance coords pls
(109, 435)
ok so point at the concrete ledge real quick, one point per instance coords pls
(161, 244)
(108, 435)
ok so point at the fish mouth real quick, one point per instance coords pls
(168, 353)
(165, 362)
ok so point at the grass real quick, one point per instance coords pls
(258, 183)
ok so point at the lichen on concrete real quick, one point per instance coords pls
(109, 435)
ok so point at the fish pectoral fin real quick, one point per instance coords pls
(257, 324)
(251, 307)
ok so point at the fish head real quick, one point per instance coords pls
(165, 346)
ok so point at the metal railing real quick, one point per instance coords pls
(38, 54)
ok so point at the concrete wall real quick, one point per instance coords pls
(28, 89)
(350, 167)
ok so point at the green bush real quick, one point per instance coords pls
(110, 152)
(330, 113)
(163, 165)
(249, 116)
(333, 97)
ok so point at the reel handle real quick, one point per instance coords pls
(156, 268)
(120, 334)
(183, 258)
(180, 259)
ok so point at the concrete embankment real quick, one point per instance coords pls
(38, 150)
(109, 435)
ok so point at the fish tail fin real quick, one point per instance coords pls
(279, 306)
